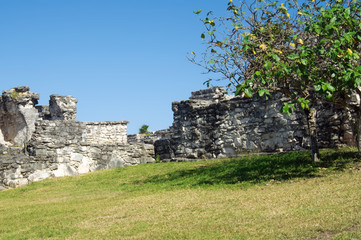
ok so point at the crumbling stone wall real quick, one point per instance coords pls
(214, 125)
(57, 145)
(61, 148)
(18, 169)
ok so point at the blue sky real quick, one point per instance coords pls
(123, 60)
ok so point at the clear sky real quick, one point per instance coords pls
(123, 60)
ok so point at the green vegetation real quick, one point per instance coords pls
(144, 130)
(14, 94)
(282, 196)
(307, 50)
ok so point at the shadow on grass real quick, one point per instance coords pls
(339, 160)
(256, 169)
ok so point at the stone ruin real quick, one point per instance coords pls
(39, 142)
(212, 124)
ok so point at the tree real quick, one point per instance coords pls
(336, 49)
(144, 130)
(307, 52)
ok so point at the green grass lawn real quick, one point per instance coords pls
(283, 196)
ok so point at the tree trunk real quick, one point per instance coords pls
(355, 104)
(356, 128)
(312, 130)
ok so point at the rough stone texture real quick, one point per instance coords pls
(62, 107)
(44, 112)
(213, 95)
(62, 148)
(106, 132)
(53, 144)
(151, 137)
(229, 126)
(17, 169)
(17, 116)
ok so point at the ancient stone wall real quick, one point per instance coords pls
(61, 148)
(38, 142)
(228, 126)
(18, 169)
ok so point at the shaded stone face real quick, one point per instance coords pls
(17, 115)
(62, 107)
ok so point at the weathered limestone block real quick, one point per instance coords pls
(62, 107)
(106, 132)
(213, 94)
(17, 115)
(44, 112)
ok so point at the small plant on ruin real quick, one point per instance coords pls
(14, 94)
(144, 130)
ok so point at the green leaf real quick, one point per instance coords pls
(318, 30)
(331, 88)
(317, 88)
(275, 57)
(268, 65)
(211, 61)
(304, 61)
(203, 36)
(324, 87)
(198, 12)
(357, 82)
(293, 56)
(263, 92)
(287, 108)
(248, 92)
(211, 32)
(239, 89)
(302, 105)
(328, 95)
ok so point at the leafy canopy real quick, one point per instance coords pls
(307, 51)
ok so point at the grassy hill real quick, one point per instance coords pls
(283, 196)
